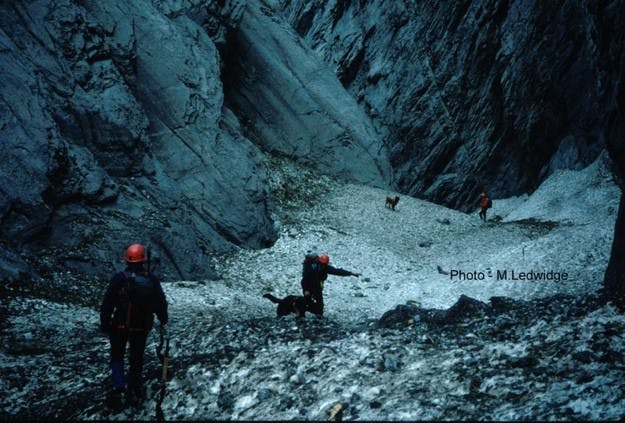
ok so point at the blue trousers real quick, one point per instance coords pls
(136, 340)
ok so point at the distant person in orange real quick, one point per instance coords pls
(485, 203)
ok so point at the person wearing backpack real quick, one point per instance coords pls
(485, 203)
(315, 270)
(131, 299)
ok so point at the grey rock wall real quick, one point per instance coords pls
(116, 128)
(114, 132)
(292, 103)
(471, 95)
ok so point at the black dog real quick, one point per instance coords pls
(391, 202)
(289, 304)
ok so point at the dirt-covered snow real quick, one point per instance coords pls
(542, 349)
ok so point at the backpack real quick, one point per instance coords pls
(310, 264)
(141, 293)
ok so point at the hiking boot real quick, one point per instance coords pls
(114, 400)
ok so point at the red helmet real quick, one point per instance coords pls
(135, 254)
(324, 258)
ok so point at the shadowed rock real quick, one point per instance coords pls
(490, 95)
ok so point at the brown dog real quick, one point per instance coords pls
(391, 202)
(289, 304)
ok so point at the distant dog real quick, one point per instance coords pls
(391, 202)
(289, 304)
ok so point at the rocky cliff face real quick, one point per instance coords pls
(115, 134)
(151, 121)
(114, 130)
(471, 96)
(293, 104)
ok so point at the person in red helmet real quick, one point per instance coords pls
(131, 299)
(315, 271)
(485, 203)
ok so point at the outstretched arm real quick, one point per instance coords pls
(341, 272)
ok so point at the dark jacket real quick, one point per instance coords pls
(131, 300)
(314, 273)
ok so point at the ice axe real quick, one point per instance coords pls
(164, 358)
